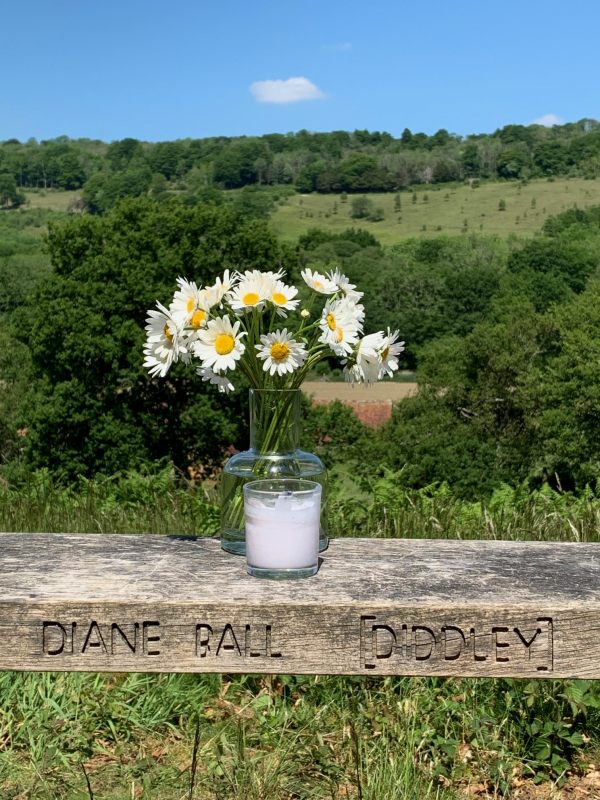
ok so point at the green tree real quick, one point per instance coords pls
(377, 214)
(10, 196)
(124, 152)
(360, 172)
(470, 159)
(430, 288)
(512, 161)
(569, 260)
(165, 158)
(254, 201)
(235, 165)
(564, 396)
(362, 207)
(103, 190)
(159, 186)
(95, 408)
(550, 158)
(471, 424)
(446, 169)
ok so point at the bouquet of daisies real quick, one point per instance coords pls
(238, 324)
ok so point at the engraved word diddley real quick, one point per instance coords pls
(385, 639)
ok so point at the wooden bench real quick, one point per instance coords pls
(376, 607)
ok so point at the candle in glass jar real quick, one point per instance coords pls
(282, 518)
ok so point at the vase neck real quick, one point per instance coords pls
(274, 420)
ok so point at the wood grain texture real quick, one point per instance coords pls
(385, 607)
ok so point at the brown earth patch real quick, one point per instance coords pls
(371, 404)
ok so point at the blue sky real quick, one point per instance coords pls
(168, 69)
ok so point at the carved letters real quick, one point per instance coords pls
(528, 644)
(389, 643)
(144, 639)
(62, 639)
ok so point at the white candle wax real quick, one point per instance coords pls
(282, 531)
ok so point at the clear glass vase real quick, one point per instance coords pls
(273, 453)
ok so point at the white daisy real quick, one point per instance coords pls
(282, 298)
(390, 349)
(164, 341)
(189, 305)
(341, 325)
(214, 294)
(257, 274)
(368, 357)
(222, 381)
(280, 352)
(252, 291)
(344, 286)
(320, 283)
(219, 345)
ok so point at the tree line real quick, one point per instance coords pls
(339, 161)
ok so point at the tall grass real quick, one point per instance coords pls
(158, 503)
(128, 503)
(434, 512)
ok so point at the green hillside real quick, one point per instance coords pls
(441, 209)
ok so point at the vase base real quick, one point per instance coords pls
(235, 546)
(282, 574)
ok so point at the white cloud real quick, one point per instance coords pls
(548, 120)
(292, 90)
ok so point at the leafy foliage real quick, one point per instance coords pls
(94, 408)
(564, 394)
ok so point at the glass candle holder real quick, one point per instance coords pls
(282, 521)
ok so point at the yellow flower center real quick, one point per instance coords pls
(385, 353)
(279, 298)
(167, 332)
(339, 334)
(250, 299)
(198, 318)
(280, 351)
(190, 305)
(331, 321)
(318, 285)
(224, 344)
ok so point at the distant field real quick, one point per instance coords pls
(327, 391)
(437, 210)
(51, 199)
(442, 210)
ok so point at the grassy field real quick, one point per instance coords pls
(442, 210)
(437, 209)
(51, 199)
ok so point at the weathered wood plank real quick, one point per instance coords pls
(377, 607)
